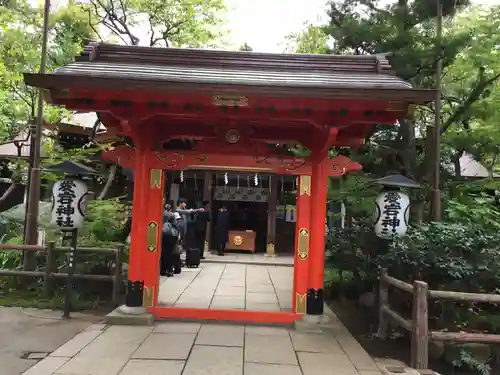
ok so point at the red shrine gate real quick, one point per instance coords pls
(235, 108)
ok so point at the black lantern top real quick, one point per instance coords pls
(70, 167)
(397, 180)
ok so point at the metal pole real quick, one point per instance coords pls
(71, 270)
(436, 192)
(31, 236)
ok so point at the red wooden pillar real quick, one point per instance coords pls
(153, 224)
(317, 241)
(135, 284)
(145, 245)
(302, 230)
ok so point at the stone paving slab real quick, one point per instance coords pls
(77, 343)
(47, 366)
(254, 259)
(269, 349)
(166, 346)
(315, 343)
(195, 348)
(92, 366)
(187, 348)
(336, 363)
(152, 367)
(214, 360)
(270, 369)
(221, 335)
(230, 286)
(27, 330)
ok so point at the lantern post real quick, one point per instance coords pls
(393, 207)
(69, 200)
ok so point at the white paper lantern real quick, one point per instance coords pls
(69, 198)
(392, 214)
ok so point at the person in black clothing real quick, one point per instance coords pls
(170, 261)
(186, 216)
(201, 220)
(222, 230)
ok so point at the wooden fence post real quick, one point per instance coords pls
(49, 267)
(383, 301)
(117, 280)
(420, 328)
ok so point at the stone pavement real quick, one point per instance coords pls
(230, 286)
(171, 348)
(27, 335)
(248, 258)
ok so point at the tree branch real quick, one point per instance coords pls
(109, 182)
(473, 96)
(21, 95)
(92, 26)
(8, 192)
(116, 23)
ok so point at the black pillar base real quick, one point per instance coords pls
(315, 301)
(135, 289)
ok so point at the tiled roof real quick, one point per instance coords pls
(114, 66)
(233, 76)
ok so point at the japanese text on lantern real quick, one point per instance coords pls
(65, 208)
(391, 209)
(68, 203)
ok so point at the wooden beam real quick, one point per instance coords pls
(178, 160)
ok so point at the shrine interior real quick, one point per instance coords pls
(250, 200)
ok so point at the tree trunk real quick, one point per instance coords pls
(408, 151)
(456, 164)
(8, 192)
(109, 182)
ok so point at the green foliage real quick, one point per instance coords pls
(358, 193)
(20, 46)
(479, 209)
(105, 223)
(9, 259)
(352, 249)
(186, 23)
(460, 254)
(406, 31)
(246, 47)
(454, 257)
(446, 256)
(105, 227)
(12, 296)
(313, 39)
(474, 203)
(468, 360)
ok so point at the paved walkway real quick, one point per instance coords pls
(170, 348)
(247, 258)
(27, 335)
(230, 286)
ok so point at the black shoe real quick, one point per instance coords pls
(220, 254)
(163, 273)
(169, 274)
(202, 257)
(177, 272)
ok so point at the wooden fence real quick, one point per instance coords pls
(49, 273)
(418, 325)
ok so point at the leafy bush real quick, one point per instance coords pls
(478, 209)
(446, 256)
(455, 257)
(105, 226)
(105, 222)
